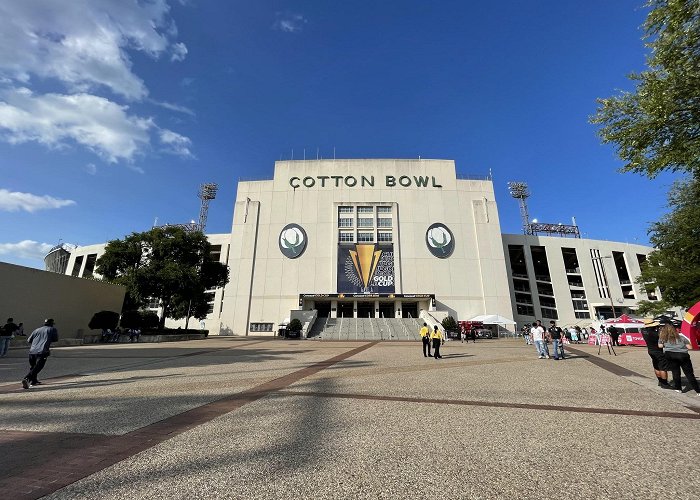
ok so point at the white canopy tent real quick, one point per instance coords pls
(495, 319)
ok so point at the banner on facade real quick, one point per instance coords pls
(366, 268)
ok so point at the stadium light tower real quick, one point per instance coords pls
(519, 191)
(207, 192)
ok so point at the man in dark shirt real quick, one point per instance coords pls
(650, 332)
(40, 341)
(555, 336)
(6, 333)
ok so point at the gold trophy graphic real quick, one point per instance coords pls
(365, 258)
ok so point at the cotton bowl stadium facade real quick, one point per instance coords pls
(386, 239)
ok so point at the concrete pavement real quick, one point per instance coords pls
(254, 418)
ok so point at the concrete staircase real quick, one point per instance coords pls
(365, 329)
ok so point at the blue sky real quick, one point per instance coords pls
(112, 112)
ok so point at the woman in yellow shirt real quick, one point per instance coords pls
(437, 338)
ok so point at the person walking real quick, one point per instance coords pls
(555, 334)
(650, 332)
(526, 334)
(676, 351)
(614, 335)
(40, 341)
(436, 337)
(537, 335)
(425, 338)
(6, 333)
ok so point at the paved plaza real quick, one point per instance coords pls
(258, 418)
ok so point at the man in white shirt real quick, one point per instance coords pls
(537, 336)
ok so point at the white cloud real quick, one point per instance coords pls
(84, 43)
(175, 143)
(14, 201)
(90, 168)
(26, 249)
(179, 52)
(289, 22)
(173, 107)
(56, 120)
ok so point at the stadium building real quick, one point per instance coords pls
(397, 241)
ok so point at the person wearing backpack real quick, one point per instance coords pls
(675, 348)
(6, 334)
(555, 334)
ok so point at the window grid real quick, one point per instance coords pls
(383, 210)
(383, 236)
(365, 222)
(346, 236)
(345, 222)
(344, 210)
(365, 237)
(384, 222)
(365, 210)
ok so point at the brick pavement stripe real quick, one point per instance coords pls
(498, 404)
(62, 469)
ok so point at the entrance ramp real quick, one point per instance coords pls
(365, 329)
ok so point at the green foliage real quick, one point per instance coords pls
(449, 324)
(131, 319)
(294, 326)
(103, 320)
(657, 127)
(167, 263)
(149, 319)
(675, 264)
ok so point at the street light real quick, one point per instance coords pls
(607, 283)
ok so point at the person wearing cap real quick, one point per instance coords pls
(436, 336)
(425, 338)
(650, 332)
(675, 348)
(40, 341)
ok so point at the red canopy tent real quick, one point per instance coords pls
(624, 319)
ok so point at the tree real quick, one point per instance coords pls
(165, 263)
(657, 127)
(674, 265)
(104, 320)
(449, 324)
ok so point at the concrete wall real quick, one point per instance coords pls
(31, 295)
(265, 285)
(596, 295)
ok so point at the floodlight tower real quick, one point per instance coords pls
(519, 191)
(206, 193)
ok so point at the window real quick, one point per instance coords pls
(549, 313)
(548, 302)
(545, 289)
(215, 253)
(89, 265)
(383, 236)
(383, 210)
(582, 315)
(523, 298)
(346, 236)
(152, 303)
(580, 305)
(365, 210)
(365, 222)
(384, 222)
(525, 310)
(210, 301)
(261, 327)
(345, 222)
(76, 265)
(344, 210)
(517, 261)
(365, 237)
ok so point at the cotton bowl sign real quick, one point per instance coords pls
(292, 241)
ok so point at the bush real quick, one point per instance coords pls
(294, 326)
(449, 324)
(149, 319)
(131, 319)
(103, 320)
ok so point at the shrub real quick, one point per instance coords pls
(103, 320)
(149, 319)
(294, 326)
(449, 324)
